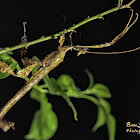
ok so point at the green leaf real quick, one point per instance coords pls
(13, 66)
(101, 91)
(62, 93)
(35, 94)
(105, 105)
(56, 87)
(91, 80)
(66, 83)
(111, 121)
(104, 112)
(35, 58)
(44, 123)
(35, 69)
(111, 125)
(101, 119)
(5, 58)
(67, 99)
(4, 75)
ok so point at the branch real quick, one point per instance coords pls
(55, 36)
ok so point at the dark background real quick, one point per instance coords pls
(119, 72)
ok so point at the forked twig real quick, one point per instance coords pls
(127, 5)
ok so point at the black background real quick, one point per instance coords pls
(119, 72)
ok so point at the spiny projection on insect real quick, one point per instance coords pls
(46, 65)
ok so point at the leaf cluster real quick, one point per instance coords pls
(65, 87)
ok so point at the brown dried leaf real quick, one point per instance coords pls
(23, 51)
(26, 61)
(4, 68)
(25, 72)
(82, 51)
(61, 40)
(6, 125)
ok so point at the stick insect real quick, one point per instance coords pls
(46, 65)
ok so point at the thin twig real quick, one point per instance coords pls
(122, 52)
(128, 5)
